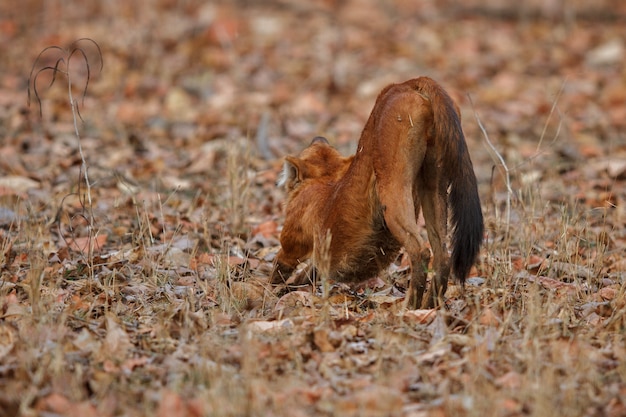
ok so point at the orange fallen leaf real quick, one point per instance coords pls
(511, 380)
(88, 243)
(488, 317)
(109, 367)
(266, 229)
(60, 405)
(517, 263)
(509, 406)
(202, 259)
(77, 304)
(171, 404)
(534, 262)
(616, 407)
(54, 402)
(187, 280)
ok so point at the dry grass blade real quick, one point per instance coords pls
(507, 177)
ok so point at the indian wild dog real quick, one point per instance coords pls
(411, 154)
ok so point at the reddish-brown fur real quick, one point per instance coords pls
(412, 154)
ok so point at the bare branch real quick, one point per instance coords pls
(32, 69)
(64, 60)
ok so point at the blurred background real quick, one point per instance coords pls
(546, 79)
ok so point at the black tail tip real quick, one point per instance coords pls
(467, 242)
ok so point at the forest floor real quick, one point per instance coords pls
(139, 215)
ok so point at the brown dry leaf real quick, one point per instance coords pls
(7, 216)
(250, 292)
(511, 380)
(619, 265)
(620, 302)
(10, 162)
(320, 338)
(266, 229)
(517, 262)
(509, 406)
(594, 319)
(53, 402)
(15, 311)
(85, 342)
(433, 355)
(222, 319)
(419, 316)
(616, 407)
(375, 283)
(386, 301)
(270, 326)
(373, 400)
(132, 363)
(554, 284)
(568, 352)
(61, 405)
(176, 257)
(18, 184)
(567, 269)
(171, 404)
(202, 259)
(340, 298)
(488, 317)
(213, 259)
(430, 412)
(295, 301)
(186, 281)
(607, 53)
(116, 345)
(616, 168)
(608, 293)
(535, 262)
(88, 244)
(311, 394)
(78, 304)
(110, 367)
(7, 340)
(199, 407)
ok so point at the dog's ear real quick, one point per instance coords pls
(319, 139)
(292, 174)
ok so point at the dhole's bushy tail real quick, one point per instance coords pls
(467, 217)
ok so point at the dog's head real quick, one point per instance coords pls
(319, 161)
